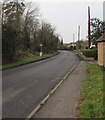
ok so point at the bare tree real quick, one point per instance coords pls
(30, 25)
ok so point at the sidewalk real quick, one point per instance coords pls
(64, 101)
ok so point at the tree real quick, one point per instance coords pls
(30, 26)
(97, 28)
(47, 37)
(22, 31)
(12, 13)
(61, 43)
(8, 43)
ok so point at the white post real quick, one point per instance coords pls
(41, 53)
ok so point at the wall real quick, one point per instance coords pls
(101, 53)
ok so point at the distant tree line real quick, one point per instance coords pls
(23, 31)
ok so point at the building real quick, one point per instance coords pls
(72, 44)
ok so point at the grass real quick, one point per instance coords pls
(92, 104)
(23, 61)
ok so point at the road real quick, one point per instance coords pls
(25, 86)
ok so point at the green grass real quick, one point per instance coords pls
(23, 61)
(92, 104)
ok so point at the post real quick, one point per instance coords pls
(41, 53)
(40, 48)
(89, 42)
(104, 11)
(104, 60)
(73, 42)
(78, 37)
(78, 32)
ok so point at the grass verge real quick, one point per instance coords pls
(23, 61)
(92, 104)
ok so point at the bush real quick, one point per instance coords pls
(90, 53)
(8, 43)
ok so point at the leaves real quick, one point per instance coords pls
(26, 31)
(97, 28)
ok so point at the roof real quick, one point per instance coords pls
(102, 38)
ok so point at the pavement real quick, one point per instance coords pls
(63, 103)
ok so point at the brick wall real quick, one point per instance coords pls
(101, 53)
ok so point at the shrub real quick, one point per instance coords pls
(90, 53)
(8, 43)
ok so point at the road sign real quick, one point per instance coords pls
(41, 45)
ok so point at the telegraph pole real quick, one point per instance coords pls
(73, 38)
(78, 36)
(78, 33)
(73, 42)
(89, 42)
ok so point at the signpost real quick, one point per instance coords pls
(41, 53)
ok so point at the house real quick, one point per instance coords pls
(72, 44)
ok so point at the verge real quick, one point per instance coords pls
(27, 61)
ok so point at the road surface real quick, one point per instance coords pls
(24, 87)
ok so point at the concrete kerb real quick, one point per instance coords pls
(29, 62)
(49, 95)
(85, 58)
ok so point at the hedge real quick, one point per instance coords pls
(90, 53)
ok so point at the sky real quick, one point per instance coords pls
(66, 15)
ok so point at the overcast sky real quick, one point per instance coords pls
(66, 15)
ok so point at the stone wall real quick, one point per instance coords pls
(101, 53)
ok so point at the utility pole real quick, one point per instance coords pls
(73, 42)
(89, 42)
(73, 38)
(104, 11)
(78, 35)
(78, 32)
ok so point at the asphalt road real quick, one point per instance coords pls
(25, 86)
